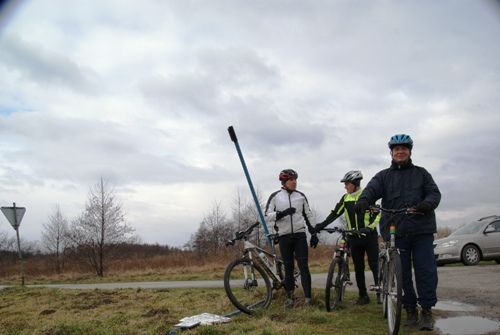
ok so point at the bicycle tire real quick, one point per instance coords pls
(382, 283)
(247, 286)
(334, 284)
(394, 294)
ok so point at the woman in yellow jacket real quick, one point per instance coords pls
(366, 224)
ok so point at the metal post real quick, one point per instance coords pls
(21, 265)
(232, 134)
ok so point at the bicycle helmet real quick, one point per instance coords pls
(401, 139)
(288, 174)
(354, 175)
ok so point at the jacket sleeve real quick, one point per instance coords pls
(308, 214)
(335, 213)
(374, 190)
(432, 195)
(270, 212)
(373, 219)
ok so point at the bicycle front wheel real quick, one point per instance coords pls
(334, 284)
(394, 293)
(382, 283)
(247, 286)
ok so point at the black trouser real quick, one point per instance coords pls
(290, 245)
(359, 246)
(419, 251)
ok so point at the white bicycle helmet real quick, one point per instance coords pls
(352, 176)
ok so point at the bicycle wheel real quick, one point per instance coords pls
(394, 293)
(247, 285)
(334, 284)
(382, 283)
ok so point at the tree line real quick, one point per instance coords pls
(90, 238)
(100, 234)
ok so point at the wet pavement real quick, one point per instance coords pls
(457, 318)
(455, 306)
(467, 325)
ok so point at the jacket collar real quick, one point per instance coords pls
(395, 166)
(289, 191)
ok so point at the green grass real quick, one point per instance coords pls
(209, 273)
(46, 311)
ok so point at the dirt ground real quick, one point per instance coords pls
(474, 285)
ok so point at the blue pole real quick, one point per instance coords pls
(232, 134)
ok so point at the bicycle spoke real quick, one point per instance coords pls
(334, 285)
(394, 294)
(247, 286)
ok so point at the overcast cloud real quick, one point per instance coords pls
(142, 93)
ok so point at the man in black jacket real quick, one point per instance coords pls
(404, 185)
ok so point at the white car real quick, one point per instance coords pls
(476, 241)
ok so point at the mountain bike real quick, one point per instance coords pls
(338, 273)
(390, 275)
(250, 279)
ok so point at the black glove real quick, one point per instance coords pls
(288, 211)
(361, 206)
(313, 242)
(311, 229)
(424, 207)
(319, 227)
(365, 230)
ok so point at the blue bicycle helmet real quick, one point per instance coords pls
(401, 139)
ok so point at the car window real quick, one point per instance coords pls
(470, 228)
(496, 225)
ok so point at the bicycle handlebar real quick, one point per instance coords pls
(409, 210)
(343, 231)
(242, 234)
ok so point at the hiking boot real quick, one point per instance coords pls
(289, 303)
(426, 321)
(307, 302)
(379, 299)
(363, 300)
(411, 317)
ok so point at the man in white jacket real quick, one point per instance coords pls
(288, 211)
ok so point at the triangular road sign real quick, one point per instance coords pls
(14, 215)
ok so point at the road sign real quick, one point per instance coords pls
(14, 215)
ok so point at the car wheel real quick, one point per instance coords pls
(470, 255)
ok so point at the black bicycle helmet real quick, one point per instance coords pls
(288, 174)
(401, 139)
(352, 175)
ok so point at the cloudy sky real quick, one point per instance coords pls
(142, 92)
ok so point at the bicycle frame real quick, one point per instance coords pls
(270, 262)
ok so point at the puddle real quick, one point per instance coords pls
(454, 306)
(466, 325)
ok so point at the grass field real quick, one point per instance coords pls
(46, 311)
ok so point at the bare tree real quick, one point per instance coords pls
(100, 227)
(55, 237)
(213, 232)
(6, 243)
(245, 213)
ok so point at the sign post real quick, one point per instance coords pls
(15, 215)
